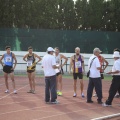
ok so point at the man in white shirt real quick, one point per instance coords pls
(49, 66)
(94, 77)
(115, 85)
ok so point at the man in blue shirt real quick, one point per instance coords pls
(8, 67)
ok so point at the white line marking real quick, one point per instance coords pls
(12, 92)
(106, 117)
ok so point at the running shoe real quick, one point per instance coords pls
(117, 96)
(33, 91)
(75, 95)
(55, 102)
(60, 94)
(95, 95)
(106, 105)
(15, 92)
(30, 91)
(57, 92)
(82, 95)
(7, 91)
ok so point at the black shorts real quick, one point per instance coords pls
(7, 69)
(77, 75)
(59, 73)
(30, 71)
(102, 76)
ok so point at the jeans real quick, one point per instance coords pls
(50, 88)
(94, 82)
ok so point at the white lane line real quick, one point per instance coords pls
(48, 105)
(106, 117)
(67, 113)
(12, 92)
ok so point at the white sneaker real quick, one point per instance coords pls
(15, 92)
(74, 95)
(82, 95)
(105, 105)
(56, 102)
(7, 91)
(95, 95)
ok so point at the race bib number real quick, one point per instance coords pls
(8, 59)
(29, 63)
(78, 64)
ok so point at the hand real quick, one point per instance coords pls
(12, 68)
(109, 72)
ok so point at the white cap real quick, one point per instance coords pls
(97, 50)
(116, 54)
(50, 49)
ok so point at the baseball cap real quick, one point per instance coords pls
(50, 49)
(116, 54)
(97, 50)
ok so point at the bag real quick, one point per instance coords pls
(88, 73)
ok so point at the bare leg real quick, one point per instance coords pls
(81, 86)
(13, 81)
(6, 80)
(75, 87)
(30, 80)
(59, 80)
(33, 80)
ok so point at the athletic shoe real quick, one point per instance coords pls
(89, 101)
(15, 92)
(82, 95)
(30, 91)
(55, 102)
(7, 91)
(95, 95)
(106, 105)
(117, 96)
(100, 102)
(59, 94)
(75, 95)
(33, 91)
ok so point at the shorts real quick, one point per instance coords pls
(102, 76)
(77, 75)
(30, 71)
(58, 73)
(7, 69)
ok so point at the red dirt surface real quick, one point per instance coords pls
(26, 106)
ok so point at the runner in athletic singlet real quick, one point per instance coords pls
(8, 67)
(59, 57)
(77, 67)
(31, 65)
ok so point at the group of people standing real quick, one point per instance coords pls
(52, 64)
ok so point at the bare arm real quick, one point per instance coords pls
(24, 58)
(55, 67)
(83, 65)
(14, 57)
(66, 59)
(39, 58)
(106, 63)
(1, 60)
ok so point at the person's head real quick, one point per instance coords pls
(57, 50)
(116, 55)
(96, 51)
(8, 49)
(116, 49)
(30, 49)
(50, 50)
(77, 50)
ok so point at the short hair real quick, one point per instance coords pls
(7, 47)
(77, 48)
(30, 48)
(57, 48)
(116, 49)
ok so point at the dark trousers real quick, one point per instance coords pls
(115, 85)
(94, 82)
(50, 88)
